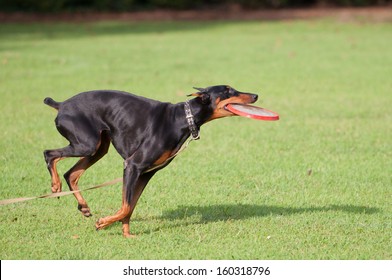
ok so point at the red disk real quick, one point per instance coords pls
(252, 112)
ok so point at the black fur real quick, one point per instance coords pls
(143, 131)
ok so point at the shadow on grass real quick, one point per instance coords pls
(215, 213)
(182, 215)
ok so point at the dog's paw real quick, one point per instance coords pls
(56, 188)
(100, 224)
(85, 210)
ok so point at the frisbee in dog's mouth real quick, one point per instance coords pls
(253, 112)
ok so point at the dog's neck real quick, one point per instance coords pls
(200, 114)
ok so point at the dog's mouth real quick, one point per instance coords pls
(243, 99)
(246, 100)
(227, 105)
(223, 107)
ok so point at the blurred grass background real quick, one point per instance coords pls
(314, 185)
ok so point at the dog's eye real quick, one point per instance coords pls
(229, 90)
(233, 92)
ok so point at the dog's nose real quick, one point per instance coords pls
(255, 96)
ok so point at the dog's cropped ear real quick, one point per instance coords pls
(205, 97)
(200, 89)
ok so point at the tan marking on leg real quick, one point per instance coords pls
(81, 166)
(73, 179)
(124, 214)
(56, 181)
(125, 228)
(120, 215)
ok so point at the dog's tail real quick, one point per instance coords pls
(49, 101)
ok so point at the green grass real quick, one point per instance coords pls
(244, 190)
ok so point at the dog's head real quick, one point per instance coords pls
(216, 98)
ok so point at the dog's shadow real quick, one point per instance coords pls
(185, 215)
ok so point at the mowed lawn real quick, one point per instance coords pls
(317, 184)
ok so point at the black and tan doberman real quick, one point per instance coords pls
(146, 133)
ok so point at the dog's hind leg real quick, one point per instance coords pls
(51, 158)
(85, 141)
(73, 175)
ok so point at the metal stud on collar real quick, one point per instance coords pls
(195, 132)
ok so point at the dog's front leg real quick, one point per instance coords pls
(140, 185)
(134, 184)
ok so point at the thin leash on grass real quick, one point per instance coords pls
(59, 194)
(108, 183)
